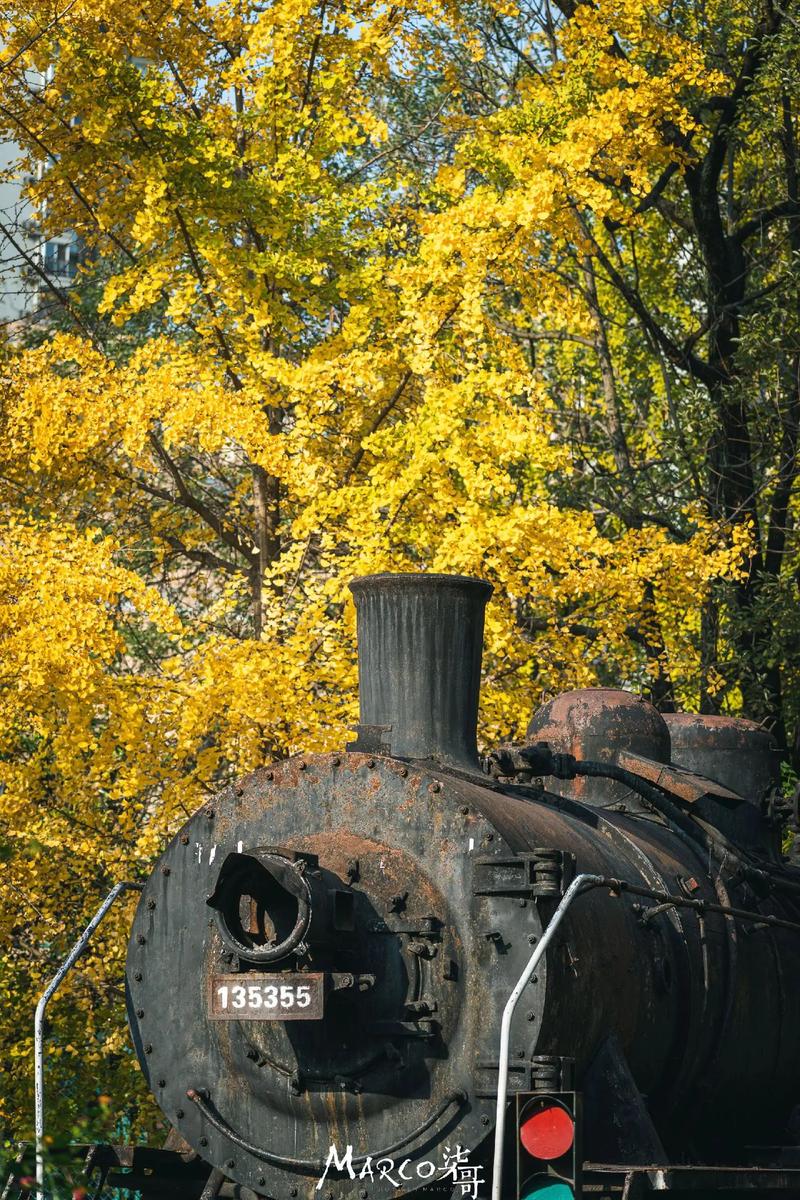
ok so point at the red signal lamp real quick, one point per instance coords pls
(547, 1130)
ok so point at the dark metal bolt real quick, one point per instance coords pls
(184, 839)
(252, 1055)
(464, 810)
(329, 1195)
(165, 871)
(301, 766)
(531, 1015)
(370, 762)
(490, 837)
(363, 1193)
(140, 1012)
(270, 775)
(335, 761)
(210, 814)
(238, 790)
(137, 975)
(229, 1162)
(532, 939)
(151, 904)
(436, 787)
(402, 773)
(484, 1120)
(520, 1054)
(203, 1141)
(523, 903)
(162, 1083)
(262, 1179)
(148, 1049)
(179, 1113)
(292, 1191)
(141, 939)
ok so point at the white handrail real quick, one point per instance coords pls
(38, 1022)
(581, 883)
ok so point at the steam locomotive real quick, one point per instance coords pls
(320, 961)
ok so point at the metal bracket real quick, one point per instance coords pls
(543, 872)
(370, 739)
(542, 1073)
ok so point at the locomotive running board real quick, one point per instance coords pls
(630, 1183)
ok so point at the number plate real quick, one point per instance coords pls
(266, 997)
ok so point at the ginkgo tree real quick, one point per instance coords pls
(307, 247)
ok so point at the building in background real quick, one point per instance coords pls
(27, 260)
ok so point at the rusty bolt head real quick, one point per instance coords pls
(165, 871)
(403, 772)
(141, 939)
(464, 810)
(140, 1012)
(436, 787)
(151, 904)
(302, 766)
(336, 761)
(137, 975)
(148, 1048)
(184, 839)
(210, 814)
(270, 775)
(238, 790)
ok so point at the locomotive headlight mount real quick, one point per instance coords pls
(263, 904)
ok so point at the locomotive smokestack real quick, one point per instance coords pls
(420, 639)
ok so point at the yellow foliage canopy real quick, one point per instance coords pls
(299, 379)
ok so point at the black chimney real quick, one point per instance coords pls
(420, 639)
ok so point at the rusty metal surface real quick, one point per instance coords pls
(677, 780)
(381, 1061)
(697, 1005)
(595, 724)
(735, 752)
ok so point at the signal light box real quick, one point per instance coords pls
(548, 1150)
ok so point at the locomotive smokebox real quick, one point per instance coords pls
(420, 639)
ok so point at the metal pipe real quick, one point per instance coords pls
(38, 1022)
(579, 884)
